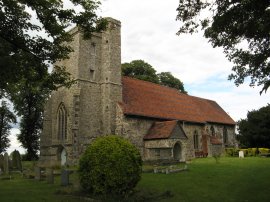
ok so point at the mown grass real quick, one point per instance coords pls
(231, 179)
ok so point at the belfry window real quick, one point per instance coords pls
(62, 122)
(196, 139)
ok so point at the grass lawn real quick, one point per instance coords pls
(231, 179)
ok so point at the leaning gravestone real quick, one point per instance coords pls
(6, 163)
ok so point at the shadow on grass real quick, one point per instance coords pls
(137, 195)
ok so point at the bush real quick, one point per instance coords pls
(264, 150)
(110, 165)
(231, 151)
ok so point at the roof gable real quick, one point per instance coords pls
(165, 130)
(147, 99)
(178, 132)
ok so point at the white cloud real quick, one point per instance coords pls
(15, 144)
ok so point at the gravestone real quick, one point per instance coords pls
(1, 162)
(49, 176)
(241, 154)
(64, 177)
(37, 173)
(6, 163)
(16, 160)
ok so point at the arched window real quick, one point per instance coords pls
(196, 139)
(212, 131)
(62, 122)
(225, 135)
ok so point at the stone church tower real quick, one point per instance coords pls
(75, 116)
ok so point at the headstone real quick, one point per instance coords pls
(64, 177)
(155, 170)
(241, 154)
(1, 162)
(167, 171)
(37, 173)
(16, 162)
(6, 163)
(49, 175)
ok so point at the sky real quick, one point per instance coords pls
(149, 33)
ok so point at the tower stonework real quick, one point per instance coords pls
(74, 117)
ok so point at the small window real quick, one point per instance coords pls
(196, 140)
(225, 135)
(157, 152)
(62, 122)
(92, 72)
(213, 133)
(93, 49)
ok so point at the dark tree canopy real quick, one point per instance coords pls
(241, 28)
(254, 131)
(21, 48)
(6, 119)
(167, 79)
(28, 101)
(142, 70)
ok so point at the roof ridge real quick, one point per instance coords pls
(202, 98)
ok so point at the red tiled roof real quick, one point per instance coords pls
(147, 99)
(160, 130)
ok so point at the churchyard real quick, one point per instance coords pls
(203, 179)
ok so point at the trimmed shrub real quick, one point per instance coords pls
(110, 165)
(231, 151)
(264, 150)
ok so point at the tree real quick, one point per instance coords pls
(142, 70)
(167, 79)
(240, 27)
(28, 101)
(6, 119)
(20, 46)
(254, 131)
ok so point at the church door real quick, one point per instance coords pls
(204, 144)
(177, 152)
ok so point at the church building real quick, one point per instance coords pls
(161, 122)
